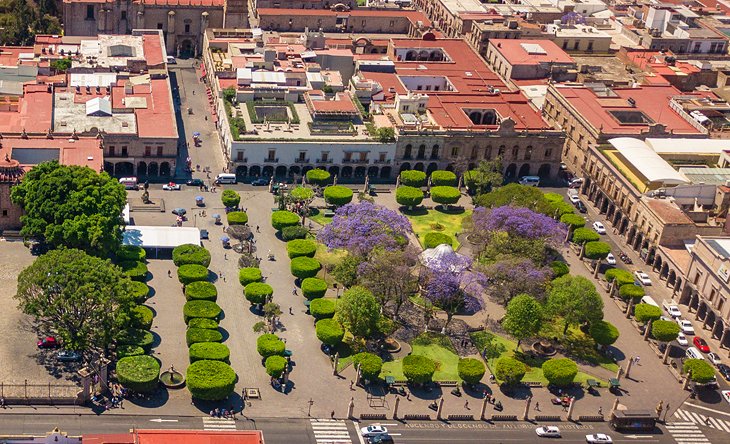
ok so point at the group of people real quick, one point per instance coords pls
(223, 413)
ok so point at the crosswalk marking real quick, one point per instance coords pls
(686, 432)
(700, 419)
(221, 424)
(330, 431)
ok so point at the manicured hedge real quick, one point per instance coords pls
(621, 276)
(329, 331)
(413, 178)
(408, 196)
(237, 218)
(296, 232)
(632, 291)
(190, 273)
(318, 177)
(583, 235)
(573, 221)
(604, 333)
(445, 195)
(275, 365)
(138, 337)
(559, 268)
(190, 254)
(441, 178)
(282, 219)
(141, 374)
(142, 317)
(257, 292)
(664, 331)
(699, 370)
(140, 291)
(560, 371)
(210, 324)
(201, 290)
(471, 370)
(131, 253)
(195, 335)
(210, 380)
(596, 250)
(322, 308)
(305, 267)
(248, 275)
(301, 247)
(230, 199)
(313, 288)
(509, 370)
(136, 270)
(213, 351)
(370, 365)
(646, 312)
(124, 351)
(269, 345)
(201, 309)
(301, 194)
(337, 195)
(418, 369)
(433, 240)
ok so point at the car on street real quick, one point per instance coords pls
(373, 430)
(642, 277)
(381, 439)
(611, 259)
(726, 395)
(48, 342)
(701, 344)
(548, 431)
(714, 358)
(575, 183)
(574, 199)
(685, 326)
(171, 60)
(195, 182)
(581, 207)
(673, 311)
(724, 370)
(682, 339)
(172, 186)
(600, 229)
(260, 182)
(68, 356)
(599, 438)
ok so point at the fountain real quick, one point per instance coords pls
(172, 378)
(544, 348)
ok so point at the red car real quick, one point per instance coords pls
(48, 342)
(701, 344)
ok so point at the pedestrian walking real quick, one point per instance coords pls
(600, 411)
(537, 406)
(290, 311)
(169, 273)
(466, 405)
(332, 415)
(257, 229)
(352, 383)
(294, 292)
(225, 256)
(636, 360)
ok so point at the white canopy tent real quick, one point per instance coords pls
(434, 256)
(160, 237)
(647, 162)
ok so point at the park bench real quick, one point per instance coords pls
(448, 383)
(461, 417)
(548, 418)
(417, 417)
(534, 384)
(329, 213)
(373, 416)
(591, 418)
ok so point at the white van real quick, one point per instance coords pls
(130, 183)
(650, 301)
(225, 178)
(693, 353)
(532, 181)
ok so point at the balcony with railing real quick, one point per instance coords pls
(271, 160)
(324, 160)
(358, 160)
(301, 161)
(381, 161)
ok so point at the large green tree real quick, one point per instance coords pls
(359, 311)
(387, 274)
(75, 296)
(71, 206)
(523, 318)
(575, 299)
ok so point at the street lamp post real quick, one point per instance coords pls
(309, 410)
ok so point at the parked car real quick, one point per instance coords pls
(611, 259)
(714, 358)
(383, 438)
(575, 183)
(48, 342)
(599, 438)
(68, 356)
(685, 326)
(673, 310)
(548, 431)
(600, 229)
(260, 182)
(726, 395)
(195, 183)
(581, 207)
(574, 199)
(373, 430)
(724, 370)
(171, 60)
(172, 186)
(701, 344)
(682, 339)
(642, 277)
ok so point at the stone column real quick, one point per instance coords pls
(395, 407)
(687, 379)
(140, 20)
(614, 407)
(351, 408)
(628, 366)
(666, 353)
(647, 331)
(104, 373)
(335, 362)
(570, 409)
(526, 413)
(100, 19)
(440, 408)
(619, 373)
(170, 40)
(482, 415)
(723, 337)
(85, 394)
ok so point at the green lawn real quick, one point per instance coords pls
(318, 216)
(446, 222)
(435, 347)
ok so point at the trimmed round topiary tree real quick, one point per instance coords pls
(139, 374)
(418, 369)
(201, 309)
(596, 250)
(301, 247)
(213, 351)
(584, 235)
(210, 324)
(573, 221)
(318, 177)
(136, 270)
(190, 273)
(136, 337)
(699, 370)
(337, 195)
(408, 196)
(433, 240)
(230, 198)
(124, 351)
(509, 370)
(305, 267)
(249, 275)
(210, 380)
(644, 313)
(314, 288)
(560, 371)
(237, 218)
(195, 335)
(471, 370)
(296, 232)
(282, 219)
(322, 308)
(441, 178)
(190, 254)
(301, 194)
(131, 253)
(329, 331)
(201, 291)
(445, 195)
(604, 333)
(664, 331)
(141, 316)
(270, 345)
(275, 366)
(370, 365)
(631, 291)
(257, 292)
(140, 291)
(559, 268)
(413, 178)
(621, 277)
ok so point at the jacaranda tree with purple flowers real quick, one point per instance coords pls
(360, 228)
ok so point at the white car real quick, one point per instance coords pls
(548, 432)
(172, 186)
(373, 430)
(685, 326)
(599, 438)
(682, 339)
(600, 229)
(673, 311)
(726, 395)
(611, 259)
(642, 277)
(171, 60)
(574, 199)
(714, 358)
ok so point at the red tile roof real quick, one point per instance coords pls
(160, 2)
(9, 54)
(177, 437)
(33, 112)
(515, 53)
(86, 151)
(158, 118)
(412, 16)
(153, 52)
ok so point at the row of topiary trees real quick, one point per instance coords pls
(443, 188)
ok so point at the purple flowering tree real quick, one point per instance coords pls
(360, 228)
(508, 278)
(519, 222)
